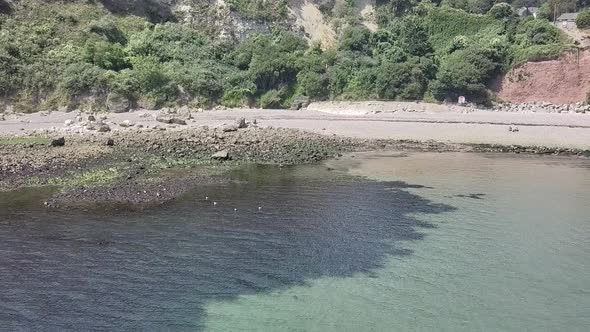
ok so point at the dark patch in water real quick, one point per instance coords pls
(158, 270)
(472, 196)
(403, 185)
(5, 7)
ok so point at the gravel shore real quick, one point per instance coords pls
(149, 157)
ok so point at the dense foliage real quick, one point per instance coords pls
(583, 19)
(78, 54)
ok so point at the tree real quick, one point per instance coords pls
(466, 72)
(501, 10)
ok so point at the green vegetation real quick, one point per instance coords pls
(24, 141)
(78, 54)
(260, 9)
(92, 178)
(583, 19)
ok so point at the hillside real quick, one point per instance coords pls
(116, 55)
(561, 81)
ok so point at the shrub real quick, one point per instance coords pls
(81, 78)
(271, 99)
(355, 38)
(536, 32)
(406, 80)
(583, 19)
(105, 55)
(313, 85)
(459, 43)
(361, 84)
(260, 9)
(108, 29)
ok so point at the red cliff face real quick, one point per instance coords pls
(561, 81)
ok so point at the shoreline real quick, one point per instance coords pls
(143, 162)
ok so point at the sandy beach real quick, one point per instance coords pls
(357, 120)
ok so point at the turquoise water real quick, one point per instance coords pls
(419, 242)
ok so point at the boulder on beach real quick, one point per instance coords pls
(241, 122)
(170, 120)
(117, 103)
(58, 141)
(221, 155)
(110, 142)
(103, 128)
(230, 127)
(126, 124)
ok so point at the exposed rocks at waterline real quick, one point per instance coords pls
(122, 166)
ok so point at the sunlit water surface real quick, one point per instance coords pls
(379, 242)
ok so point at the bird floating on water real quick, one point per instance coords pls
(206, 198)
(214, 203)
(259, 208)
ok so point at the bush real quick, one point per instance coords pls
(405, 81)
(583, 19)
(105, 55)
(536, 32)
(271, 99)
(361, 84)
(260, 9)
(82, 78)
(313, 85)
(355, 39)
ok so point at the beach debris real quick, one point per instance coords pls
(69, 122)
(110, 142)
(91, 118)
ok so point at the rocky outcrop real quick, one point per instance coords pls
(117, 103)
(562, 81)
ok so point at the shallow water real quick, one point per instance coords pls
(432, 242)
